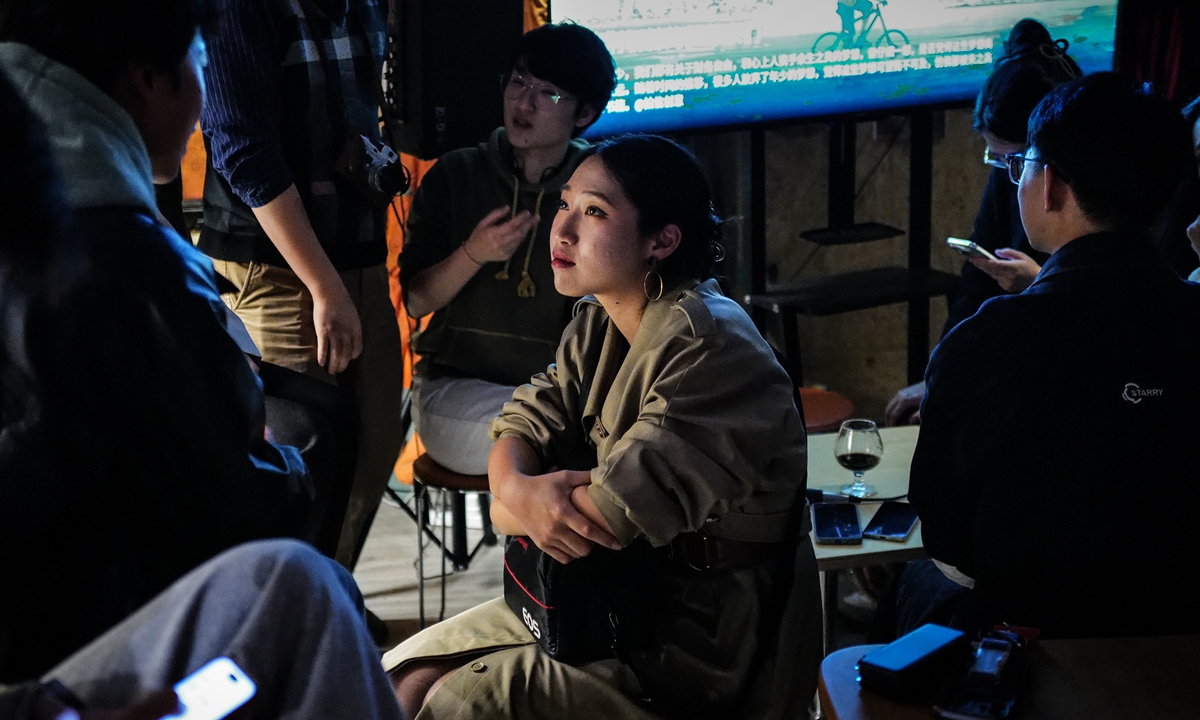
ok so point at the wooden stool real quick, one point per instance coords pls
(824, 411)
(427, 475)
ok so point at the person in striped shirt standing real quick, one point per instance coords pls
(293, 85)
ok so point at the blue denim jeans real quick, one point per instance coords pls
(925, 595)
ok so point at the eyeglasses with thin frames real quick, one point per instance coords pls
(1015, 162)
(544, 99)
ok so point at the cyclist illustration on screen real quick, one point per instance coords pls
(869, 14)
(847, 8)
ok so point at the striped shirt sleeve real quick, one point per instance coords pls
(244, 109)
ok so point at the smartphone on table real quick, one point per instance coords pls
(893, 521)
(968, 248)
(212, 692)
(836, 524)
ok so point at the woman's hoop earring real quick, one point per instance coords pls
(646, 285)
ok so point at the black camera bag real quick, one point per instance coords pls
(590, 609)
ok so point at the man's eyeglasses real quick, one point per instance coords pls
(1015, 162)
(544, 99)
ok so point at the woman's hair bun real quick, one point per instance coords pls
(1027, 36)
(1032, 65)
(1030, 43)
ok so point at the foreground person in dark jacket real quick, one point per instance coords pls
(131, 427)
(1057, 455)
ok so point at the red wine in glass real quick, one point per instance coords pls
(858, 448)
(858, 462)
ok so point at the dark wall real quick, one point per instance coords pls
(1157, 42)
(447, 58)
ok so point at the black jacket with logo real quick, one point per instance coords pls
(1057, 461)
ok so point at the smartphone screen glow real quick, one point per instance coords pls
(215, 690)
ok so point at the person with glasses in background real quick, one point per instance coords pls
(1047, 412)
(1032, 64)
(477, 250)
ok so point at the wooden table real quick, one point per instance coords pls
(890, 479)
(1093, 679)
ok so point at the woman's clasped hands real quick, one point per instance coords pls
(553, 509)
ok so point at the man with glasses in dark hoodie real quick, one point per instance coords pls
(477, 250)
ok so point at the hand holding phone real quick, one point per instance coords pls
(212, 692)
(968, 248)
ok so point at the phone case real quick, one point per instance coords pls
(960, 245)
(836, 524)
(969, 248)
(212, 692)
(893, 521)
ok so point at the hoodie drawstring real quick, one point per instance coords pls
(526, 288)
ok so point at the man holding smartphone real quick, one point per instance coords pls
(1046, 411)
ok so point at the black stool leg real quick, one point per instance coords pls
(831, 598)
(458, 509)
(442, 611)
(422, 498)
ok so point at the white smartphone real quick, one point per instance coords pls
(966, 247)
(215, 690)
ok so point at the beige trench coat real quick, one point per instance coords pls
(692, 428)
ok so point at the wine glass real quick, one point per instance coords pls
(858, 449)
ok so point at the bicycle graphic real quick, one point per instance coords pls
(844, 41)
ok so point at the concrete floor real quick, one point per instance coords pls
(387, 570)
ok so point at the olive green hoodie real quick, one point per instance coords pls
(494, 329)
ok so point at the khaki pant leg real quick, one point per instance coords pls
(453, 416)
(509, 676)
(376, 382)
(524, 682)
(277, 311)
